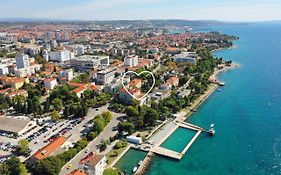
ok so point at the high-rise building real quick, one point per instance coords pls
(131, 61)
(22, 61)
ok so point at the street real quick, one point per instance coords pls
(92, 146)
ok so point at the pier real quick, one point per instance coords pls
(145, 163)
(157, 149)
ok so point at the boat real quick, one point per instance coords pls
(212, 131)
(140, 162)
(212, 125)
(221, 83)
(135, 169)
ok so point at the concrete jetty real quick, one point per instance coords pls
(157, 149)
(145, 163)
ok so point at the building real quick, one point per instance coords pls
(24, 72)
(15, 126)
(134, 139)
(184, 93)
(66, 73)
(22, 61)
(128, 97)
(172, 81)
(172, 50)
(131, 61)
(3, 70)
(49, 149)
(77, 172)
(20, 92)
(13, 82)
(79, 91)
(88, 62)
(50, 83)
(80, 50)
(186, 57)
(93, 164)
(60, 56)
(106, 76)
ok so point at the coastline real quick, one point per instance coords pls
(185, 113)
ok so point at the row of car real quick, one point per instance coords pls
(42, 130)
(8, 147)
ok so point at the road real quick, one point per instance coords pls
(92, 146)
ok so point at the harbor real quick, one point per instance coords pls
(153, 148)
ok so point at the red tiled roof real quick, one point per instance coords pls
(47, 150)
(77, 172)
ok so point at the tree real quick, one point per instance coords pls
(107, 116)
(111, 171)
(22, 147)
(98, 124)
(15, 167)
(103, 145)
(57, 104)
(91, 136)
(55, 115)
(132, 111)
(47, 106)
(66, 111)
(126, 127)
(151, 117)
(49, 166)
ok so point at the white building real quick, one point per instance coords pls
(88, 62)
(24, 72)
(67, 73)
(60, 56)
(4, 70)
(80, 50)
(131, 60)
(22, 61)
(134, 139)
(106, 76)
(185, 57)
(50, 83)
(17, 125)
(94, 164)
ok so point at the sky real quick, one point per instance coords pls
(224, 10)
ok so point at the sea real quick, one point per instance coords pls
(246, 111)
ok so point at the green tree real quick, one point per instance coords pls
(132, 111)
(57, 104)
(49, 166)
(22, 147)
(55, 115)
(111, 171)
(15, 167)
(98, 124)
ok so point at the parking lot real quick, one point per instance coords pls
(40, 136)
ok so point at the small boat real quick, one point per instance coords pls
(140, 162)
(212, 131)
(221, 83)
(212, 125)
(135, 169)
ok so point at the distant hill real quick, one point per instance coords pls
(154, 22)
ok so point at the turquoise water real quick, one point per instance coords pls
(130, 160)
(180, 138)
(246, 112)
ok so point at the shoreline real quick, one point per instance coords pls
(185, 113)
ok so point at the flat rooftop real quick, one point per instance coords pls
(13, 125)
(91, 57)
